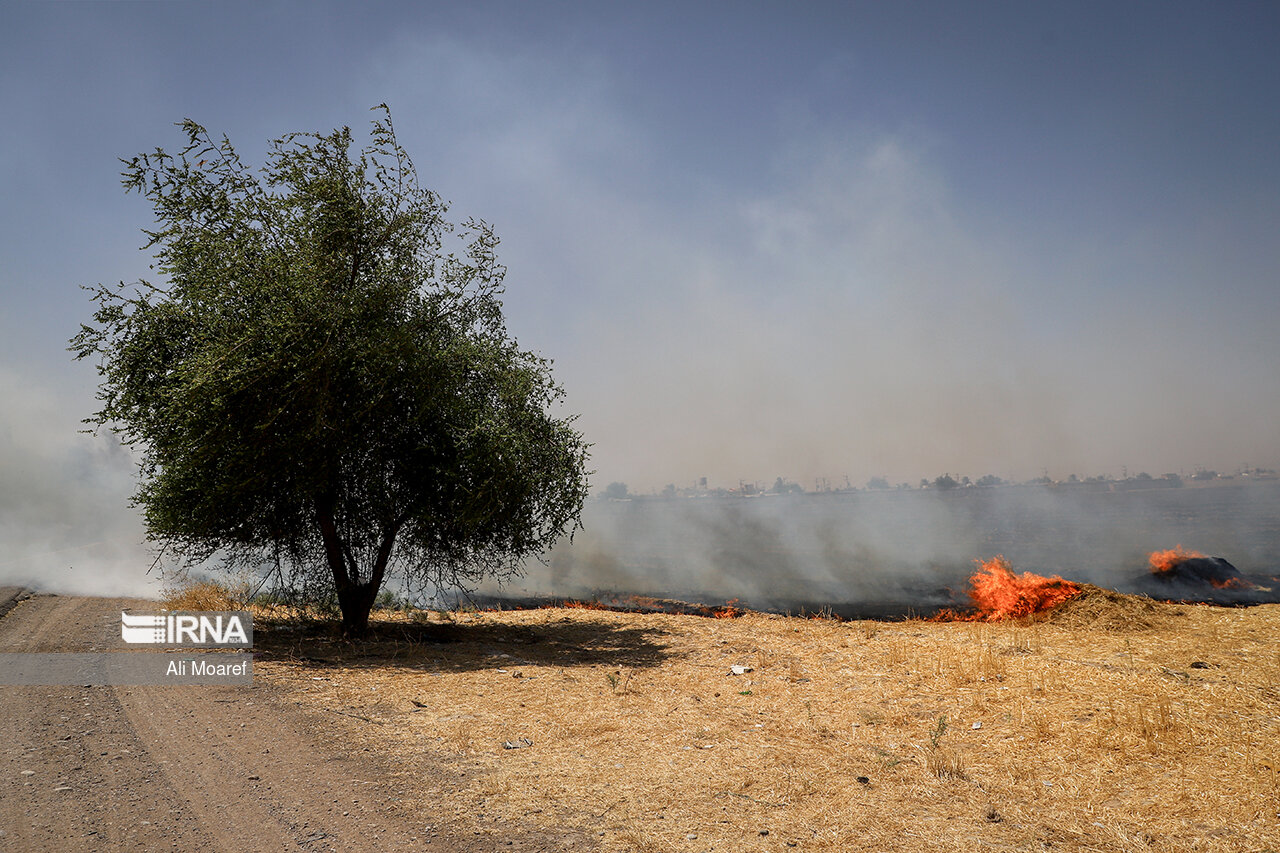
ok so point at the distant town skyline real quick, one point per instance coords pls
(945, 480)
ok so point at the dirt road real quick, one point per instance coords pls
(178, 768)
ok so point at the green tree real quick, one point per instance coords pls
(323, 386)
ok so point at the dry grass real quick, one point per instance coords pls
(202, 595)
(1113, 724)
(1096, 608)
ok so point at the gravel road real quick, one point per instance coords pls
(176, 767)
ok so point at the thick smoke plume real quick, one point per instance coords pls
(884, 552)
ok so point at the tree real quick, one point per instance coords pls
(324, 387)
(616, 491)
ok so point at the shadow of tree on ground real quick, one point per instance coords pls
(463, 646)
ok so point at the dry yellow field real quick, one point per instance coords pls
(1114, 723)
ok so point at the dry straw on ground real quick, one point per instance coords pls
(1113, 723)
(202, 595)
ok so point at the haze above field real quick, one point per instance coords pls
(880, 240)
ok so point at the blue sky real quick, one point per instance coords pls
(758, 239)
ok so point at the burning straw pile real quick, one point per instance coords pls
(1181, 566)
(657, 732)
(998, 593)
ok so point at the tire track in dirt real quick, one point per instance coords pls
(174, 767)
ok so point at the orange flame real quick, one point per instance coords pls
(1163, 562)
(1232, 583)
(729, 610)
(1001, 594)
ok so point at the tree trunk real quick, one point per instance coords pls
(356, 601)
(355, 598)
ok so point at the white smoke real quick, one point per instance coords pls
(65, 521)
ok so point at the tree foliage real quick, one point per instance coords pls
(323, 382)
(945, 483)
